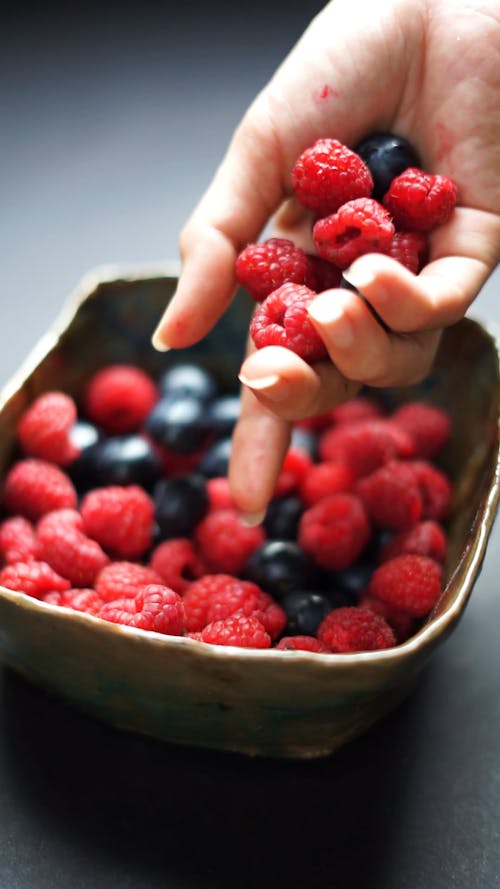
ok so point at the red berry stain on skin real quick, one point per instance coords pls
(323, 93)
(445, 142)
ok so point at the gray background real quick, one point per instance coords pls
(112, 123)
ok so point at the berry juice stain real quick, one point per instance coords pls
(323, 93)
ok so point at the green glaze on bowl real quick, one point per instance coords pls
(273, 703)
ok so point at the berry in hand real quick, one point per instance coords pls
(386, 156)
(358, 227)
(327, 175)
(262, 268)
(419, 201)
(282, 320)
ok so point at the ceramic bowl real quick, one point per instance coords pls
(273, 703)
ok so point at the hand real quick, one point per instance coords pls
(430, 72)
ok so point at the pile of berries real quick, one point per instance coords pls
(373, 199)
(119, 506)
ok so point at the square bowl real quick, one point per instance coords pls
(271, 703)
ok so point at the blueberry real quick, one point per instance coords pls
(188, 380)
(180, 503)
(223, 413)
(386, 156)
(84, 434)
(305, 440)
(280, 566)
(354, 580)
(282, 517)
(214, 462)
(179, 424)
(120, 460)
(305, 610)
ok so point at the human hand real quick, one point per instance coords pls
(429, 72)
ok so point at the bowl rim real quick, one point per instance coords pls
(425, 638)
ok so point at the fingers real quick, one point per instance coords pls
(260, 442)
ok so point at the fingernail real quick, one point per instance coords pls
(272, 386)
(329, 311)
(158, 343)
(250, 519)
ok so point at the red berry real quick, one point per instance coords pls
(85, 600)
(219, 493)
(33, 487)
(435, 489)
(402, 625)
(64, 546)
(120, 518)
(391, 495)
(239, 630)
(335, 531)
(18, 541)
(295, 469)
(119, 397)
(154, 607)
(411, 583)
(262, 268)
(321, 274)
(302, 643)
(426, 538)
(44, 428)
(358, 227)
(327, 174)
(410, 249)
(323, 479)
(427, 425)
(365, 445)
(353, 628)
(177, 563)
(33, 578)
(419, 201)
(200, 593)
(122, 580)
(224, 543)
(282, 320)
(354, 410)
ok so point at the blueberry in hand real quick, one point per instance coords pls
(386, 156)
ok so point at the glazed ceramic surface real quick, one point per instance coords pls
(274, 703)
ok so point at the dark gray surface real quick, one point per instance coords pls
(112, 123)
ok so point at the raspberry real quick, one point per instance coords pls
(33, 578)
(327, 174)
(402, 625)
(411, 583)
(85, 600)
(200, 593)
(391, 495)
(321, 274)
(426, 538)
(355, 409)
(224, 543)
(360, 226)
(365, 445)
(410, 249)
(119, 397)
(262, 268)
(122, 580)
(177, 563)
(435, 489)
(335, 531)
(282, 320)
(427, 425)
(154, 607)
(323, 479)
(120, 518)
(33, 487)
(44, 429)
(248, 599)
(353, 628)
(302, 643)
(239, 630)
(67, 550)
(419, 201)
(18, 541)
(295, 469)
(219, 493)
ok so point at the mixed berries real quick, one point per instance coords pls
(129, 517)
(373, 199)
